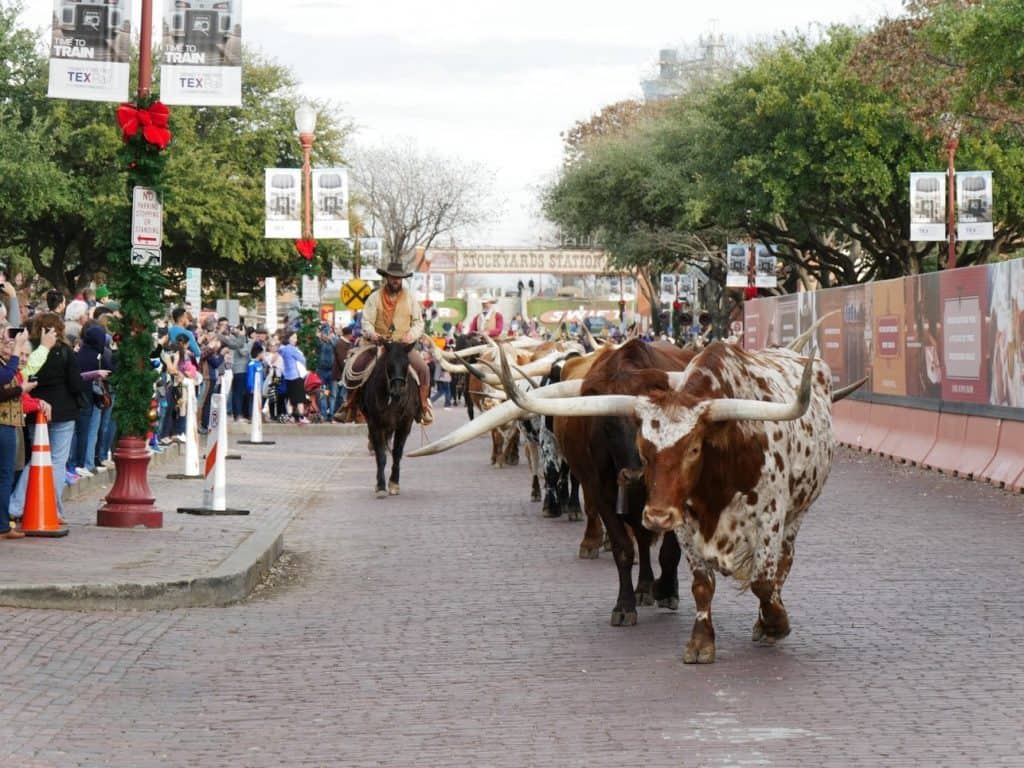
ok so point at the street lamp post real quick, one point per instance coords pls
(951, 128)
(952, 142)
(130, 502)
(305, 123)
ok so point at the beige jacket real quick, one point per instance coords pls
(407, 321)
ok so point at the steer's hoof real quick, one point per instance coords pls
(589, 553)
(380, 493)
(622, 618)
(768, 635)
(672, 603)
(534, 496)
(392, 489)
(695, 654)
(551, 512)
(644, 597)
(575, 514)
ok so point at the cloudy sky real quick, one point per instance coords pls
(495, 83)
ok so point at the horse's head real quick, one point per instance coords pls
(396, 363)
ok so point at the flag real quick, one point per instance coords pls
(90, 50)
(202, 53)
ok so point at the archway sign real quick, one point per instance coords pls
(555, 261)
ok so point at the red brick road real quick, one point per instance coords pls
(452, 626)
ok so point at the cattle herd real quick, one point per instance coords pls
(711, 453)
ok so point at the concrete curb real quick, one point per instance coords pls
(230, 582)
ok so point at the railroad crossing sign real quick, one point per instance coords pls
(355, 292)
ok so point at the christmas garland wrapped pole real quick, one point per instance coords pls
(146, 133)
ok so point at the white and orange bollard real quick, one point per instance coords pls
(256, 425)
(40, 515)
(191, 471)
(215, 486)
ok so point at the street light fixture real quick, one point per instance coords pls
(305, 123)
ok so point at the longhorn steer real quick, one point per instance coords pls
(598, 448)
(733, 455)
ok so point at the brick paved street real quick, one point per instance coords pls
(452, 626)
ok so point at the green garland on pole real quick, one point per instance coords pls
(139, 289)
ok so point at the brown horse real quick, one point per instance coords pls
(390, 400)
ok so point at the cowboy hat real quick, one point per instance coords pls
(394, 269)
(488, 300)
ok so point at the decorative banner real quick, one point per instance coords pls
(330, 203)
(370, 251)
(668, 288)
(765, 267)
(927, 206)
(974, 205)
(202, 53)
(283, 187)
(90, 50)
(737, 262)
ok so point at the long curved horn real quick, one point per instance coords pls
(732, 409)
(495, 417)
(593, 405)
(839, 394)
(589, 337)
(470, 368)
(798, 344)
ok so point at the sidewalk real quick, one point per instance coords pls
(192, 560)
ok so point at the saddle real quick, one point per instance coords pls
(359, 364)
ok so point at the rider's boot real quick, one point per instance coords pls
(426, 417)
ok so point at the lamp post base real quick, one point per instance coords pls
(130, 501)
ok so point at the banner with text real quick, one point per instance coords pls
(330, 203)
(737, 259)
(952, 339)
(974, 205)
(90, 50)
(927, 206)
(202, 53)
(764, 261)
(283, 215)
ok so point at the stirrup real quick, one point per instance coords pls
(426, 415)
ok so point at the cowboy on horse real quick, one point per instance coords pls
(391, 313)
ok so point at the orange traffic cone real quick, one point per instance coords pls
(40, 515)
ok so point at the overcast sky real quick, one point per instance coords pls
(495, 83)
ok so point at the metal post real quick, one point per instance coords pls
(951, 146)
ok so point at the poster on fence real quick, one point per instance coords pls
(1006, 330)
(201, 60)
(963, 295)
(928, 206)
(888, 366)
(974, 205)
(283, 219)
(90, 50)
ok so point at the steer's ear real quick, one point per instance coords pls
(409, 347)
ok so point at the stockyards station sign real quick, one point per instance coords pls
(524, 260)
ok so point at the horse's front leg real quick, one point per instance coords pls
(397, 448)
(378, 439)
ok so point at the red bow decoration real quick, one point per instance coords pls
(750, 292)
(152, 120)
(306, 246)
